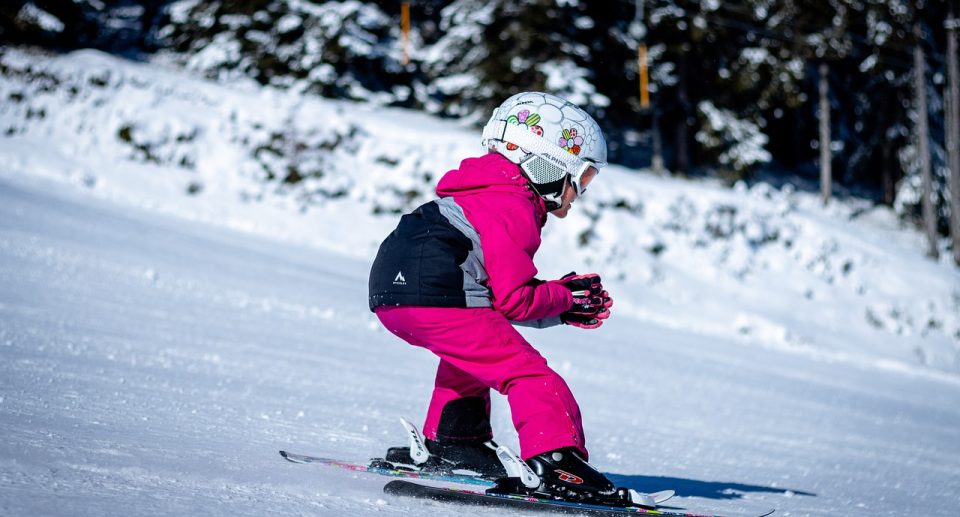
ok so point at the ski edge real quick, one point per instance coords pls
(403, 488)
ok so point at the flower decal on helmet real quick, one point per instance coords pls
(570, 141)
(528, 119)
(548, 137)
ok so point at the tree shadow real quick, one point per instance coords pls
(697, 488)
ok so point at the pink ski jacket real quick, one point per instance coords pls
(473, 247)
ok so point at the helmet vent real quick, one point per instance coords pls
(541, 170)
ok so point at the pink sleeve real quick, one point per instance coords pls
(509, 241)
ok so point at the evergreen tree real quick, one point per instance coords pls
(733, 83)
(336, 49)
(119, 26)
(493, 49)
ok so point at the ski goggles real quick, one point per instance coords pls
(577, 179)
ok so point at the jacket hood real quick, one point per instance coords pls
(486, 174)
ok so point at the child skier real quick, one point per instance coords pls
(458, 272)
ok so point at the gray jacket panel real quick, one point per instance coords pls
(474, 272)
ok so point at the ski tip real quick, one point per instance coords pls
(297, 458)
(771, 512)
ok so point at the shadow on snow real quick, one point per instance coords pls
(696, 488)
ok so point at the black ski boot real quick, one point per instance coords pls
(397, 458)
(478, 457)
(463, 439)
(565, 475)
(463, 442)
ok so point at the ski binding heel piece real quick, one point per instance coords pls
(648, 500)
(517, 468)
(418, 448)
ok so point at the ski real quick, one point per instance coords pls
(523, 502)
(383, 468)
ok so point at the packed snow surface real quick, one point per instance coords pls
(172, 313)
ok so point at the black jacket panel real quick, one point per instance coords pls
(419, 263)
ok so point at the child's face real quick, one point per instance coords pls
(570, 194)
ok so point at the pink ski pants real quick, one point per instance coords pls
(479, 349)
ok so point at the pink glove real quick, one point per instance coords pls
(591, 303)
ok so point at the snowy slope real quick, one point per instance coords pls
(763, 265)
(159, 346)
(154, 366)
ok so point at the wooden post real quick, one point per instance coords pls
(953, 132)
(923, 144)
(405, 28)
(826, 156)
(644, 79)
(638, 30)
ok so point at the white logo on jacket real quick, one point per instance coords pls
(399, 280)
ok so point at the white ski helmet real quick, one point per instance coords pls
(549, 138)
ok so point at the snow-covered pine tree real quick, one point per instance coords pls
(119, 26)
(491, 49)
(712, 76)
(337, 49)
(453, 65)
(902, 41)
